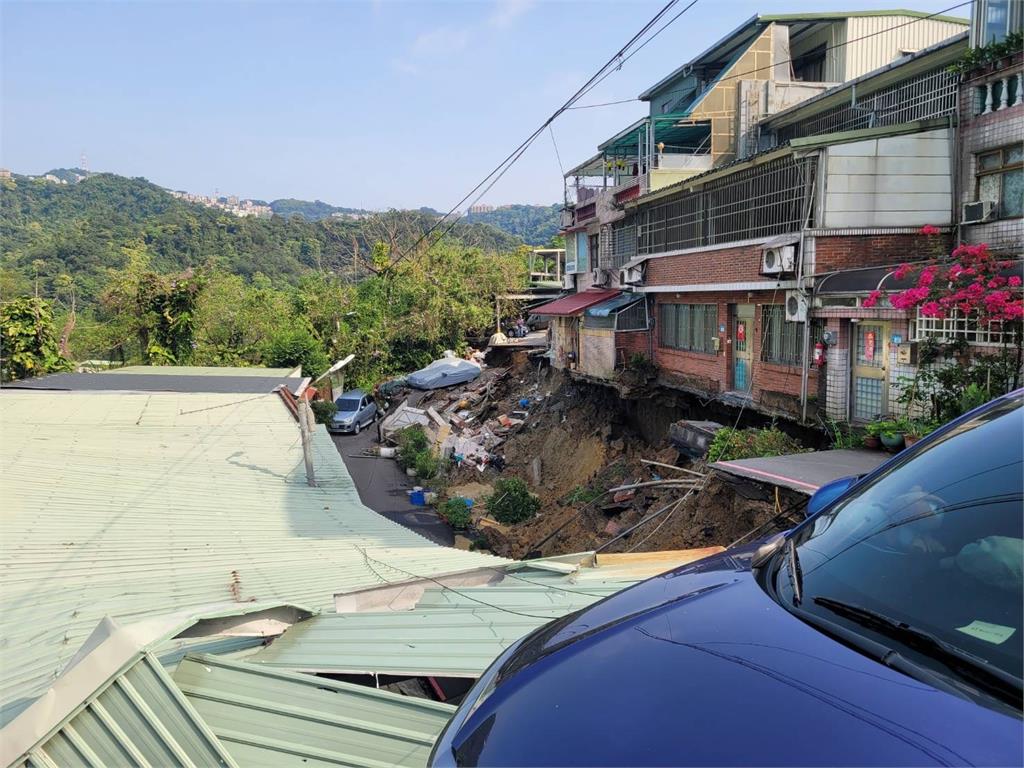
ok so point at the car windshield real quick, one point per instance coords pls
(933, 548)
(348, 404)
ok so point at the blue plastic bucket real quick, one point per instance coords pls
(417, 498)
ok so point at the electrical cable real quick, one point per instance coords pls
(613, 64)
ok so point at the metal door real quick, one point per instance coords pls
(743, 347)
(870, 365)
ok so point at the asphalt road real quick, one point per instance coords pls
(382, 487)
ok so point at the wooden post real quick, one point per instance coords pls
(305, 430)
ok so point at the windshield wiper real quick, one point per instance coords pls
(796, 578)
(988, 677)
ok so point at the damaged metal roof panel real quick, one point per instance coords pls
(441, 642)
(273, 718)
(139, 718)
(133, 505)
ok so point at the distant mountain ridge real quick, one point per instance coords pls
(50, 228)
(533, 224)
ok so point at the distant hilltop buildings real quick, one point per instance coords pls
(231, 204)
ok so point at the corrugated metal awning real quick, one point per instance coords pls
(575, 303)
(614, 306)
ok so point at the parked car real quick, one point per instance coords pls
(356, 410)
(885, 629)
(446, 372)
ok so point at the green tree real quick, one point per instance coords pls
(290, 347)
(29, 339)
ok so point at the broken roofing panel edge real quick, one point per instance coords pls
(276, 717)
(111, 652)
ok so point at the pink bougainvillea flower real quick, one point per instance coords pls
(932, 309)
(872, 299)
(901, 271)
(1014, 282)
(928, 229)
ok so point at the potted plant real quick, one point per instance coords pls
(891, 434)
(918, 428)
(871, 435)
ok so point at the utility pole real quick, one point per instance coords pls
(306, 426)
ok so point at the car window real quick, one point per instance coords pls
(936, 542)
(348, 404)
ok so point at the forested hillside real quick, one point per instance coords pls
(314, 210)
(51, 232)
(533, 224)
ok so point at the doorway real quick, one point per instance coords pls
(869, 393)
(743, 347)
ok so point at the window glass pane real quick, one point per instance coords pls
(1013, 193)
(1014, 154)
(988, 188)
(990, 161)
(996, 18)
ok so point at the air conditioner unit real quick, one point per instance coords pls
(796, 307)
(568, 282)
(778, 260)
(602, 277)
(631, 275)
(977, 212)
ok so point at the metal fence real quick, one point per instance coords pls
(765, 200)
(928, 95)
(784, 340)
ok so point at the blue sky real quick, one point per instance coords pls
(370, 104)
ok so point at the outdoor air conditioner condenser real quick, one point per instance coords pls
(796, 307)
(977, 212)
(778, 260)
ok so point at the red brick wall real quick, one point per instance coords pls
(774, 385)
(629, 343)
(742, 264)
(727, 265)
(851, 251)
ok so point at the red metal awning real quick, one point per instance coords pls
(574, 304)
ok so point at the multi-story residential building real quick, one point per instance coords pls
(705, 114)
(748, 265)
(991, 169)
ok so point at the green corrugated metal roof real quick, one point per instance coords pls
(274, 718)
(135, 505)
(205, 370)
(140, 718)
(442, 642)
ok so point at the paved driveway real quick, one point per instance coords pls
(382, 487)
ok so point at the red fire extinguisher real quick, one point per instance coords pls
(819, 354)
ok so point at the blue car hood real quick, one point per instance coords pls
(700, 667)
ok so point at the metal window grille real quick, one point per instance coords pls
(690, 327)
(783, 340)
(623, 242)
(928, 95)
(633, 318)
(757, 202)
(957, 327)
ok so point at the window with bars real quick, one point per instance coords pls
(690, 327)
(925, 96)
(955, 328)
(1001, 180)
(765, 200)
(783, 340)
(632, 318)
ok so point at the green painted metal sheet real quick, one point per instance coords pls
(136, 505)
(268, 718)
(141, 718)
(442, 642)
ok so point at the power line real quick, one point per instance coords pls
(613, 64)
(554, 143)
(605, 104)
